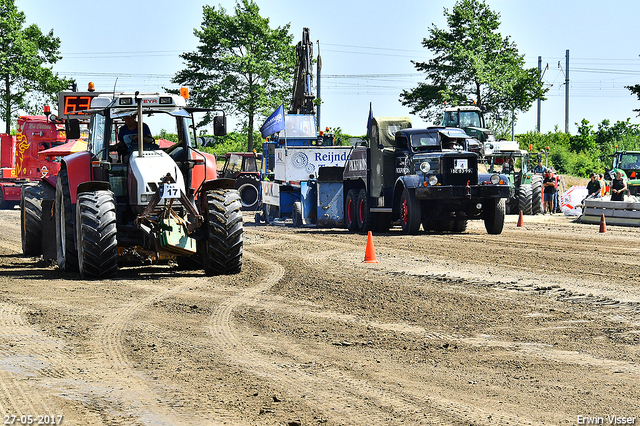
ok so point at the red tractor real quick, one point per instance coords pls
(126, 199)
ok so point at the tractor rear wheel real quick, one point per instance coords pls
(524, 199)
(247, 186)
(536, 194)
(65, 225)
(494, 215)
(96, 231)
(410, 213)
(31, 218)
(350, 211)
(223, 248)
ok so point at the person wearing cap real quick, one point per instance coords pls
(618, 186)
(594, 187)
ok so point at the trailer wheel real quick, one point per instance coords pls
(31, 218)
(363, 214)
(247, 186)
(536, 194)
(494, 215)
(410, 213)
(65, 225)
(96, 231)
(223, 248)
(524, 199)
(350, 211)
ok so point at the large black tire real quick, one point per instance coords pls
(410, 213)
(536, 194)
(363, 213)
(67, 253)
(459, 226)
(223, 252)
(3, 203)
(31, 218)
(247, 186)
(351, 210)
(494, 215)
(96, 230)
(524, 199)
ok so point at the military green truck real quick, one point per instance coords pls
(420, 177)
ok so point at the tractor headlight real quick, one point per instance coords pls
(433, 180)
(495, 179)
(425, 167)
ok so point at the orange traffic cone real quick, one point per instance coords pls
(520, 220)
(603, 225)
(370, 251)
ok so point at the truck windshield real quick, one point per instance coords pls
(425, 140)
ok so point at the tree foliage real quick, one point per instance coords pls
(241, 65)
(26, 57)
(473, 63)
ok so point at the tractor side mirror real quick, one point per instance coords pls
(72, 128)
(220, 125)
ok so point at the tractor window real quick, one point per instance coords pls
(630, 161)
(450, 119)
(469, 119)
(97, 134)
(235, 164)
(250, 164)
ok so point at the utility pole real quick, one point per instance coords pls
(566, 97)
(319, 69)
(541, 75)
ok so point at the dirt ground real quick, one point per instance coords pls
(539, 325)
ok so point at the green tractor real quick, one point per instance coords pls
(507, 157)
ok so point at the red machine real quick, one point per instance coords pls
(20, 161)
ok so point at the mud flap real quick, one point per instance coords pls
(48, 231)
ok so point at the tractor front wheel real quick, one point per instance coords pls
(223, 253)
(96, 231)
(31, 218)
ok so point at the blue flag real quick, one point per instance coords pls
(369, 120)
(274, 123)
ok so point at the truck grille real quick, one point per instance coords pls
(456, 176)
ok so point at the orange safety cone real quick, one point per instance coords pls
(603, 225)
(520, 220)
(370, 251)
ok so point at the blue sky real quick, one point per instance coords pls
(366, 49)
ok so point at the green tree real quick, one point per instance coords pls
(241, 65)
(26, 58)
(473, 63)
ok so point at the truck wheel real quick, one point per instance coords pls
(31, 218)
(223, 248)
(296, 214)
(459, 226)
(363, 214)
(494, 215)
(65, 225)
(3, 203)
(247, 186)
(536, 194)
(524, 199)
(96, 231)
(350, 211)
(410, 213)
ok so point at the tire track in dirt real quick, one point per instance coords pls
(362, 401)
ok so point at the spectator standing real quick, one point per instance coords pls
(539, 169)
(618, 186)
(549, 185)
(594, 187)
(604, 184)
